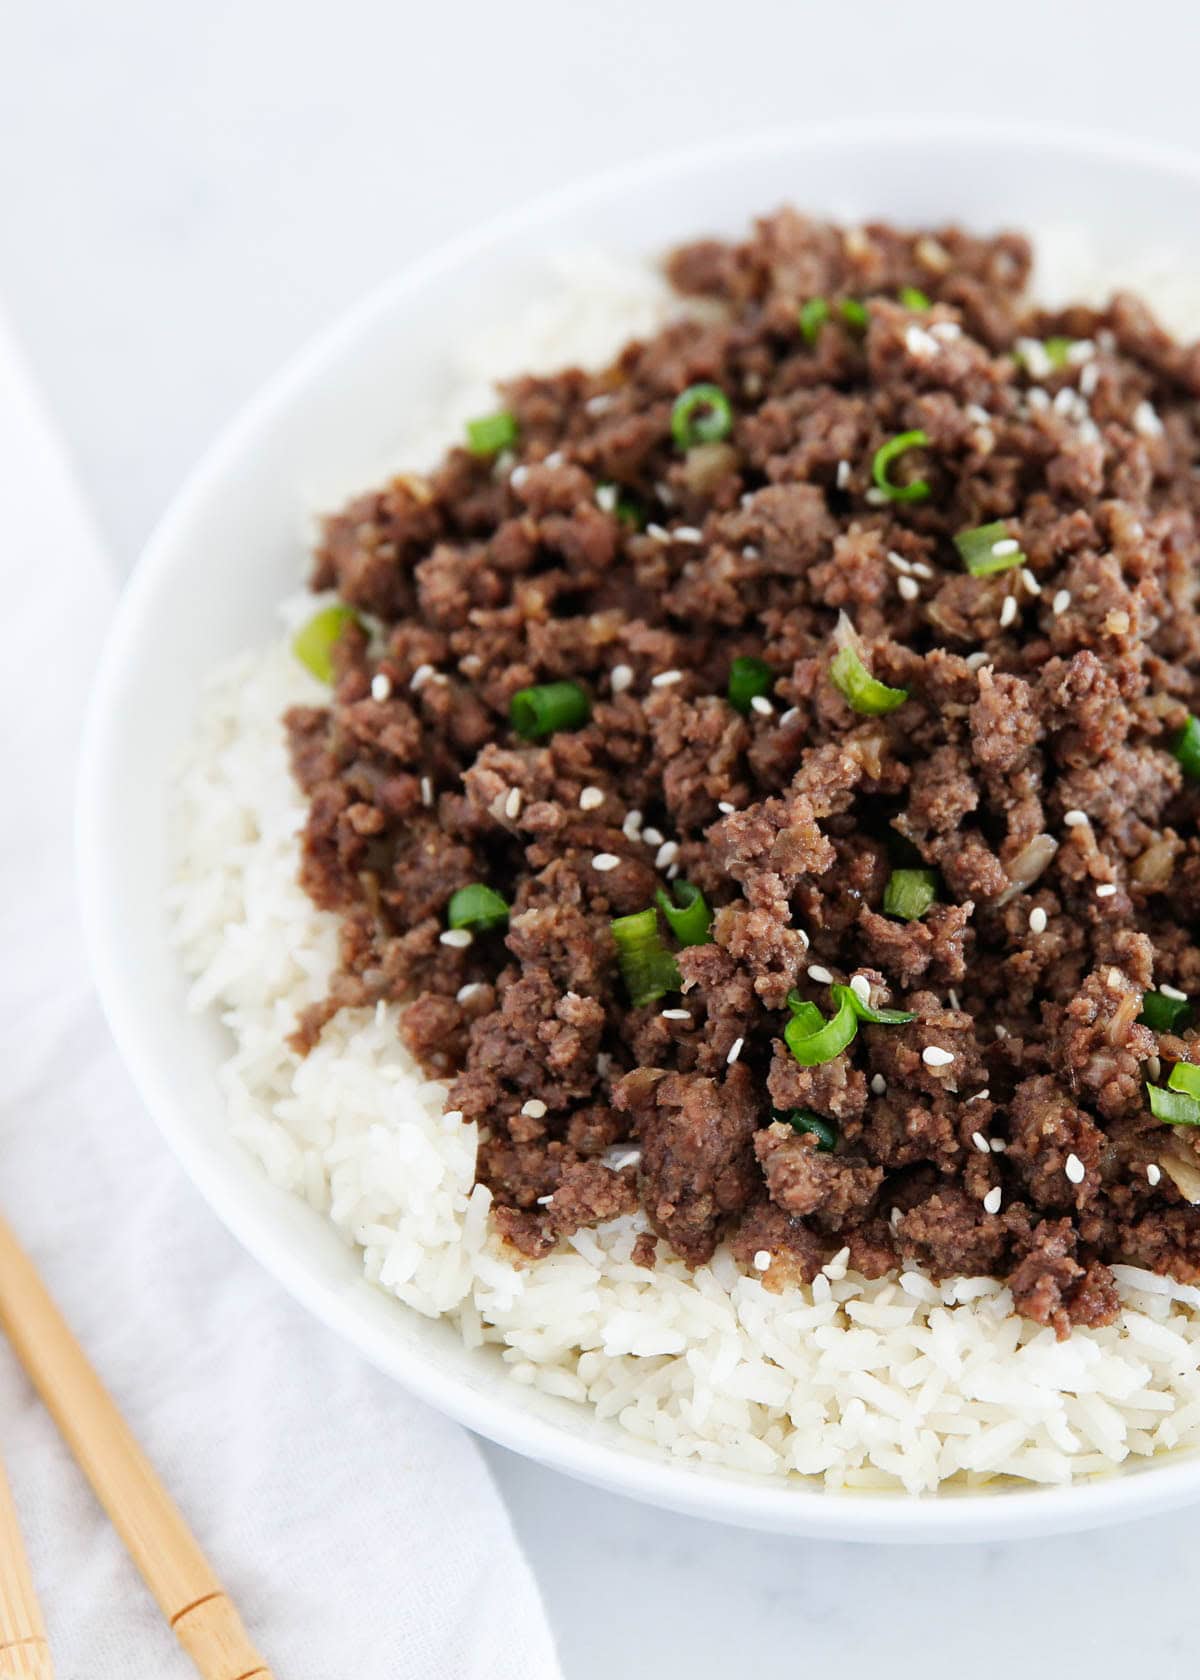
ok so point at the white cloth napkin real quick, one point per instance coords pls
(358, 1533)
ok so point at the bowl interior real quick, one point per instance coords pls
(233, 543)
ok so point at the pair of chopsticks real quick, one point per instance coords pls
(142, 1512)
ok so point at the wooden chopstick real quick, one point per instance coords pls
(24, 1649)
(142, 1512)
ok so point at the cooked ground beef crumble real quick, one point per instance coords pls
(1006, 1128)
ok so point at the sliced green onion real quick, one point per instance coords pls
(1058, 352)
(876, 1017)
(810, 1017)
(689, 917)
(1163, 1014)
(813, 316)
(1185, 1076)
(978, 549)
(804, 1120)
(477, 907)
(313, 643)
(1177, 1108)
(538, 712)
(748, 677)
(829, 1040)
(647, 967)
(855, 314)
(701, 414)
(849, 674)
(892, 451)
(912, 297)
(909, 893)
(491, 433)
(1186, 747)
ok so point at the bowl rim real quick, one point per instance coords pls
(767, 1504)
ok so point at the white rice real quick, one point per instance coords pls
(897, 1383)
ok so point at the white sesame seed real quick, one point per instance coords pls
(1061, 602)
(861, 987)
(421, 675)
(934, 1056)
(725, 807)
(1001, 1030)
(1146, 421)
(604, 861)
(821, 975)
(1106, 890)
(947, 331)
(977, 660)
(535, 1108)
(554, 459)
(1038, 400)
(899, 562)
(465, 993)
(876, 497)
(665, 854)
(980, 1096)
(544, 1201)
(1075, 819)
(977, 414)
(458, 938)
(920, 569)
(1074, 1169)
(749, 552)
(843, 474)
(998, 1146)
(1089, 379)
(909, 588)
(687, 534)
(1005, 547)
(426, 791)
(590, 798)
(518, 476)
(918, 343)
(666, 679)
(675, 1015)
(1082, 350)
(652, 836)
(606, 498)
(953, 996)
(991, 1202)
(735, 1050)
(762, 705)
(1172, 992)
(1033, 353)
(1154, 1172)
(622, 676)
(512, 805)
(1008, 611)
(1037, 920)
(665, 494)
(632, 825)
(981, 1143)
(762, 1260)
(658, 532)
(616, 1160)
(790, 715)
(598, 403)
(672, 872)
(381, 686)
(879, 1084)
(1030, 582)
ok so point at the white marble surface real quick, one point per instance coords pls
(187, 190)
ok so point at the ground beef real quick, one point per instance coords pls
(1004, 1129)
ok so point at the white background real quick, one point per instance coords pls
(188, 188)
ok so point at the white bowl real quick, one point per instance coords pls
(229, 549)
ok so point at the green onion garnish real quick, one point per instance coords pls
(538, 712)
(689, 917)
(804, 1120)
(912, 297)
(313, 642)
(1185, 1076)
(813, 316)
(1058, 352)
(877, 1017)
(909, 893)
(855, 314)
(491, 433)
(1186, 747)
(829, 1040)
(891, 451)
(807, 1014)
(1163, 1014)
(647, 967)
(978, 549)
(1177, 1108)
(701, 414)
(849, 674)
(476, 907)
(748, 677)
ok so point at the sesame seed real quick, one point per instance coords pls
(909, 589)
(465, 993)
(1001, 1030)
(1146, 421)
(1034, 355)
(1074, 1169)
(1089, 379)
(1006, 546)
(457, 938)
(920, 569)
(1030, 582)
(898, 560)
(1075, 819)
(666, 679)
(590, 798)
(604, 861)
(980, 1096)
(861, 987)
(1037, 920)
(953, 996)
(512, 805)
(918, 343)
(426, 791)
(749, 552)
(1172, 992)
(843, 474)
(1061, 602)
(876, 497)
(977, 660)
(1008, 611)
(381, 686)
(554, 459)
(665, 854)
(947, 331)
(606, 498)
(535, 1108)
(675, 1015)
(998, 1146)
(652, 836)
(762, 1260)
(632, 825)
(762, 705)
(687, 534)
(544, 1201)
(977, 414)
(672, 872)
(934, 1056)
(735, 1050)
(618, 1160)
(658, 532)
(725, 807)
(421, 675)
(879, 1084)
(598, 403)
(518, 476)
(1107, 890)
(991, 1202)
(821, 975)
(790, 715)
(622, 676)
(1038, 400)
(1154, 1172)
(981, 1143)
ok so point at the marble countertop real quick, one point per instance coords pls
(188, 191)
